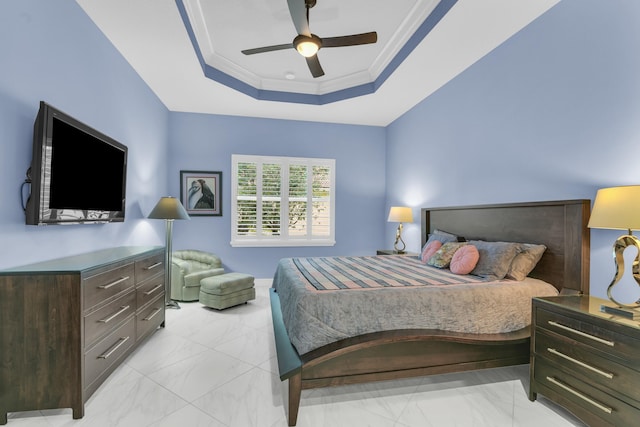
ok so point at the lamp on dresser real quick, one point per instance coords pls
(169, 209)
(400, 214)
(618, 208)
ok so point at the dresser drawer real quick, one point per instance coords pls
(593, 333)
(149, 290)
(150, 317)
(108, 351)
(149, 267)
(602, 405)
(588, 364)
(108, 317)
(101, 287)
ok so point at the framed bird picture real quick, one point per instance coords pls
(201, 192)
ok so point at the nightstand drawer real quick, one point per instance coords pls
(588, 364)
(592, 333)
(602, 405)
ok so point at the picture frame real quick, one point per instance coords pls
(201, 192)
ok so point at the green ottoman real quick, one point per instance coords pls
(226, 290)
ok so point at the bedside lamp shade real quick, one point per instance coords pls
(618, 208)
(400, 214)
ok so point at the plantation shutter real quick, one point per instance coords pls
(282, 201)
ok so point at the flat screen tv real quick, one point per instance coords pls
(77, 174)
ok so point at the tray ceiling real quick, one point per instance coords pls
(189, 52)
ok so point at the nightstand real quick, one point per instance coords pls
(392, 252)
(585, 360)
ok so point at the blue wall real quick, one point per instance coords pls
(552, 114)
(206, 142)
(52, 51)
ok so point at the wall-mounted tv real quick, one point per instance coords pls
(77, 174)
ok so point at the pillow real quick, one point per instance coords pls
(436, 236)
(464, 260)
(495, 258)
(525, 261)
(442, 237)
(429, 250)
(442, 257)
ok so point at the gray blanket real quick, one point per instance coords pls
(395, 296)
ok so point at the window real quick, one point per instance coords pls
(282, 201)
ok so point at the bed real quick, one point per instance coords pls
(406, 352)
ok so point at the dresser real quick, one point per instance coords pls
(67, 324)
(585, 360)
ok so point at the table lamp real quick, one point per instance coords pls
(400, 214)
(618, 208)
(169, 209)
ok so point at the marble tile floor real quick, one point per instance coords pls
(211, 368)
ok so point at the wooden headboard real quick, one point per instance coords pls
(559, 225)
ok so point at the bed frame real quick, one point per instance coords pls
(560, 225)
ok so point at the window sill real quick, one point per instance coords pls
(279, 243)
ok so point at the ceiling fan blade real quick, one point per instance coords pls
(298, 11)
(268, 48)
(314, 66)
(352, 40)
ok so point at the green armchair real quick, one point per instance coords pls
(188, 267)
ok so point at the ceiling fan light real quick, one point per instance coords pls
(307, 46)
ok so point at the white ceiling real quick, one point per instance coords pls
(268, 22)
(153, 38)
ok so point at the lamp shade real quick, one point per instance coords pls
(169, 208)
(400, 214)
(617, 208)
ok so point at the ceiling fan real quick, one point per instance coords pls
(308, 44)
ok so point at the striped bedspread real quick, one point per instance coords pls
(333, 273)
(324, 300)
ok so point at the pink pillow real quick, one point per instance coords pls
(429, 250)
(464, 260)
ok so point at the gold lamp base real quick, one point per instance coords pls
(625, 310)
(628, 313)
(397, 248)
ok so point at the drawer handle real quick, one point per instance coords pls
(582, 334)
(115, 282)
(114, 315)
(580, 395)
(149, 292)
(153, 314)
(151, 267)
(578, 362)
(119, 344)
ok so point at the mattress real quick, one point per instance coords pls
(326, 299)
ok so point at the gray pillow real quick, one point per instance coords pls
(495, 258)
(525, 261)
(444, 237)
